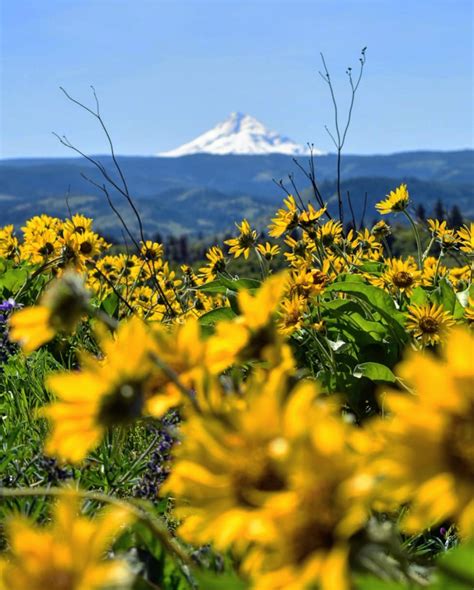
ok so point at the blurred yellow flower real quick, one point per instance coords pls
(69, 554)
(60, 309)
(428, 457)
(127, 384)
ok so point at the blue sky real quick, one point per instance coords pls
(166, 71)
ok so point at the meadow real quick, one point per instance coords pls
(307, 428)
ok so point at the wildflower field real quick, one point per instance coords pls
(183, 428)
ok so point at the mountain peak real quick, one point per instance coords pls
(240, 134)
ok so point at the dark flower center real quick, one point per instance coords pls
(85, 248)
(123, 405)
(429, 325)
(402, 279)
(459, 444)
(46, 249)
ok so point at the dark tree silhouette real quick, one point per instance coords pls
(455, 218)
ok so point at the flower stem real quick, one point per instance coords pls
(417, 238)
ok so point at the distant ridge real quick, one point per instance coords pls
(240, 134)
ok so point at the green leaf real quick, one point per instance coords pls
(456, 568)
(222, 284)
(217, 315)
(375, 330)
(11, 280)
(212, 581)
(419, 296)
(110, 304)
(444, 295)
(376, 372)
(378, 300)
(373, 583)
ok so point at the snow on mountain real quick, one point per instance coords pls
(240, 134)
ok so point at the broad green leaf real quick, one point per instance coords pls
(457, 567)
(372, 583)
(227, 581)
(11, 280)
(222, 284)
(378, 300)
(376, 330)
(110, 304)
(376, 372)
(217, 315)
(419, 296)
(444, 295)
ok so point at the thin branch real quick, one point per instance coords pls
(364, 209)
(349, 200)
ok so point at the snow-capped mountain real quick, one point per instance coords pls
(240, 134)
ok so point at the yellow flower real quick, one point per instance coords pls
(395, 202)
(285, 220)
(252, 335)
(460, 277)
(432, 270)
(428, 323)
(228, 464)
(305, 541)
(466, 238)
(126, 385)
(44, 246)
(309, 217)
(69, 554)
(291, 314)
(151, 250)
(400, 276)
(268, 251)
(77, 224)
(439, 230)
(381, 229)
(368, 244)
(469, 311)
(268, 472)
(244, 242)
(217, 263)
(301, 250)
(309, 282)
(330, 233)
(60, 309)
(81, 247)
(8, 242)
(429, 452)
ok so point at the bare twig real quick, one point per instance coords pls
(339, 138)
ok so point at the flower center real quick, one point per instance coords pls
(246, 240)
(46, 249)
(85, 248)
(429, 325)
(256, 473)
(459, 444)
(150, 254)
(402, 279)
(123, 405)
(57, 580)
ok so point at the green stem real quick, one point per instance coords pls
(417, 238)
